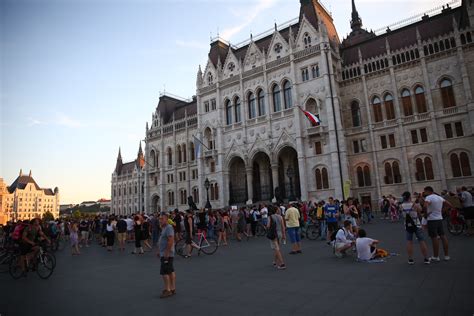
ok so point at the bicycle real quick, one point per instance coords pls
(208, 245)
(311, 231)
(44, 265)
(456, 222)
(6, 255)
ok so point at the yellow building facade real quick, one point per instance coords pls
(24, 199)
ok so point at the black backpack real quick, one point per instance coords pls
(410, 224)
(272, 231)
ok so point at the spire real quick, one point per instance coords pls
(29, 174)
(140, 151)
(119, 157)
(118, 166)
(356, 22)
(21, 172)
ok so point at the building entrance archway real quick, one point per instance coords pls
(155, 203)
(288, 175)
(262, 178)
(237, 181)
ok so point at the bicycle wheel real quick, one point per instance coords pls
(53, 258)
(180, 248)
(209, 246)
(15, 268)
(45, 265)
(312, 232)
(5, 259)
(261, 230)
(455, 228)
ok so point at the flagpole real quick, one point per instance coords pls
(334, 117)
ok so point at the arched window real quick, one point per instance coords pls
(228, 112)
(428, 168)
(208, 136)
(170, 198)
(465, 165)
(389, 109)
(355, 111)
(237, 109)
(210, 79)
(195, 195)
(183, 148)
(153, 158)
(192, 152)
(420, 170)
(324, 173)
(276, 98)
(397, 177)
(179, 153)
(306, 40)
(420, 99)
(388, 174)
(377, 106)
(367, 179)
(170, 156)
(287, 94)
(319, 179)
(455, 165)
(216, 191)
(447, 93)
(261, 102)
(252, 106)
(363, 176)
(406, 101)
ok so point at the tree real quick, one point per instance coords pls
(48, 216)
(77, 214)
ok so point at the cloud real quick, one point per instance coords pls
(191, 44)
(33, 121)
(261, 6)
(64, 120)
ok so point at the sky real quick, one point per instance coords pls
(79, 78)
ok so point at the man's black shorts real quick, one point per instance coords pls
(25, 248)
(166, 267)
(435, 228)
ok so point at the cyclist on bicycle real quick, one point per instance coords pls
(29, 246)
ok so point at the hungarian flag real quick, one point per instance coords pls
(313, 119)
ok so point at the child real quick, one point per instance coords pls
(74, 239)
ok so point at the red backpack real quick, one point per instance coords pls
(18, 232)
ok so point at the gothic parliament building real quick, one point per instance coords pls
(396, 111)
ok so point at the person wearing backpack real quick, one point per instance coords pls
(344, 239)
(276, 232)
(411, 212)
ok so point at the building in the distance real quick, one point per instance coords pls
(396, 109)
(128, 185)
(24, 199)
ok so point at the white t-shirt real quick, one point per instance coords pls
(343, 236)
(283, 209)
(264, 212)
(435, 207)
(129, 224)
(363, 248)
(466, 199)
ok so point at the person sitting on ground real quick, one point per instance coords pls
(344, 239)
(366, 247)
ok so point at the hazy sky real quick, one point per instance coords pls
(79, 78)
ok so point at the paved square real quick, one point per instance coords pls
(240, 280)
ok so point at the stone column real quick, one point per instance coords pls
(249, 185)
(274, 180)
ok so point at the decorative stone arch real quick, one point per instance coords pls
(443, 77)
(231, 157)
(237, 169)
(416, 85)
(155, 203)
(288, 187)
(251, 155)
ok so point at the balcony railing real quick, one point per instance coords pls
(210, 153)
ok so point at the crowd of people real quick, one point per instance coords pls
(339, 223)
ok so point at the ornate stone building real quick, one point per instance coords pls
(25, 200)
(396, 113)
(128, 185)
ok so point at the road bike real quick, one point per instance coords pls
(311, 230)
(208, 245)
(6, 255)
(44, 265)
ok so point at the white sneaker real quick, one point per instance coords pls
(447, 258)
(435, 259)
(338, 254)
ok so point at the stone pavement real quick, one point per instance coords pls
(240, 280)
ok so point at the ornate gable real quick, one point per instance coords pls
(278, 47)
(253, 58)
(231, 65)
(307, 35)
(210, 74)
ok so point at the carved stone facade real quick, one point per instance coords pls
(384, 102)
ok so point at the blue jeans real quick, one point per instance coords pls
(294, 234)
(323, 229)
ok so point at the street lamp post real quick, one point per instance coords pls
(207, 185)
(290, 173)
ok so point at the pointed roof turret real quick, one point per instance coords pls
(356, 22)
(118, 166)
